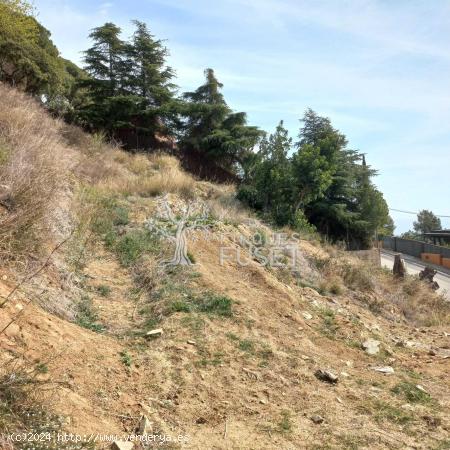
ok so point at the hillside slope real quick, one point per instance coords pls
(236, 364)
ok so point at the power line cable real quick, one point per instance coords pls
(415, 213)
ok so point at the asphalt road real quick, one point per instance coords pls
(414, 266)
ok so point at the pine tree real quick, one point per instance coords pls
(206, 111)
(104, 62)
(222, 137)
(373, 208)
(426, 221)
(269, 184)
(150, 78)
(351, 208)
(129, 85)
(107, 68)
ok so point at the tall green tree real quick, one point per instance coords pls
(426, 221)
(373, 208)
(28, 58)
(281, 184)
(313, 174)
(150, 84)
(322, 181)
(335, 212)
(107, 68)
(105, 62)
(272, 180)
(129, 86)
(150, 78)
(213, 130)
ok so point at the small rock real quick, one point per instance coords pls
(317, 419)
(13, 330)
(388, 370)
(154, 333)
(201, 420)
(421, 388)
(345, 374)
(191, 342)
(371, 346)
(432, 422)
(408, 407)
(326, 376)
(122, 445)
(263, 402)
(307, 316)
(432, 352)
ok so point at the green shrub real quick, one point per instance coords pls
(411, 392)
(181, 306)
(285, 424)
(104, 290)
(384, 411)
(86, 315)
(109, 214)
(211, 303)
(329, 325)
(130, 247)
(206, 302)
(126, 358)
(247, 345)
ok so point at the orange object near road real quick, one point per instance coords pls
(432, 258)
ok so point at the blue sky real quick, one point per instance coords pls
(380, 69)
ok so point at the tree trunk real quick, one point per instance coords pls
(399, 269)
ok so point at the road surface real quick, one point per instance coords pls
(414, 266)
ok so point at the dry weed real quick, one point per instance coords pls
(31, 173)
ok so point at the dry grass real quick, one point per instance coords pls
(25, 394)
(380, 292)
(32, 170)
(167, 181)
(223, 204)
(149, 176)
(418, 303)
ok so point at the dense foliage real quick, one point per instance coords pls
(129, 85)
(426, 222)
(317, 180)
(126, 90)
(211, 128)
(29, 59)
